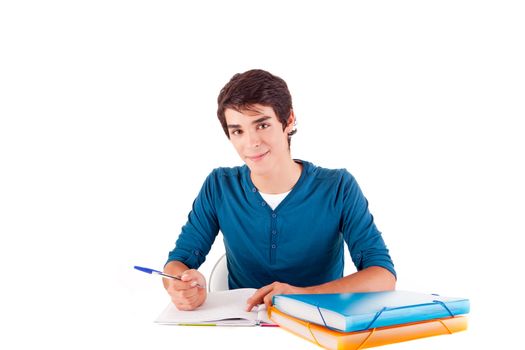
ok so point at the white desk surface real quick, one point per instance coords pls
(62, 312)
(128, 324)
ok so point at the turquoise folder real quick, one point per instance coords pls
(351, 312)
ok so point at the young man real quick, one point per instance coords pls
(283, 220)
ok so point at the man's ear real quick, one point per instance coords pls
(291, 122)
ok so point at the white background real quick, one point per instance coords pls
(108, 129)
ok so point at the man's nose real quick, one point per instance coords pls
(254, 139)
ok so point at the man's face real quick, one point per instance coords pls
(258, 137)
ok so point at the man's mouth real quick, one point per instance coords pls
(258, 157)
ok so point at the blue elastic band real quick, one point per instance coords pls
(376, 317)
(322, 318)
(324, 322)
(444, 305)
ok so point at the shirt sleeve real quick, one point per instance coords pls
(360, 233)
(199, 232)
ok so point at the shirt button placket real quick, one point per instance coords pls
(273, 238)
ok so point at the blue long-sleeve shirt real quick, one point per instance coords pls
(299, 243)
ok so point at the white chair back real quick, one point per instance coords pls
(219, 276)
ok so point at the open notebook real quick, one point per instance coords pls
(224, 308)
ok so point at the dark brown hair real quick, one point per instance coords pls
(255, 86)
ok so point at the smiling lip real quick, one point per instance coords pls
(258, 157)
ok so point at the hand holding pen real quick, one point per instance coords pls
(168, 276)
(187, 291)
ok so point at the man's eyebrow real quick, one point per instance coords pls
(237, 126)
(261, 119)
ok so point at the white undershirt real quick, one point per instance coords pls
(273, 200)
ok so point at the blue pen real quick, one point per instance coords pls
(160, 273)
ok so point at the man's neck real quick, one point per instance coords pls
(282, 179)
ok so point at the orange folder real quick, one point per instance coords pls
(330, 339)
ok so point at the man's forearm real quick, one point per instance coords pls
(371, 279)
(175, 268)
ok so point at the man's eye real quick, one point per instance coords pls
(236, 132)
(263, 126)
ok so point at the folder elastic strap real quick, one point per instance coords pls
(444, 325)
(322, 318)
(312, 333)
(381, 311)
(386, 308)
(362, 345)
(444, 305)
(376, 317)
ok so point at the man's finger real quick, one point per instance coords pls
(194, 277)
(188, 293)
(177, 285)
(257, 297)
(187, 276)
(268, 298)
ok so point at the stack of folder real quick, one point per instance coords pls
(364, 320)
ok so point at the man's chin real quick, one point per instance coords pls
(257, 168)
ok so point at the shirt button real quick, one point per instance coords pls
(263, 204)
(273, 246)
(274, 232)
(274, 215)
(254, 189)
(196, 252)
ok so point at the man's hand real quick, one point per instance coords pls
(265, 294)
(187, 294)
